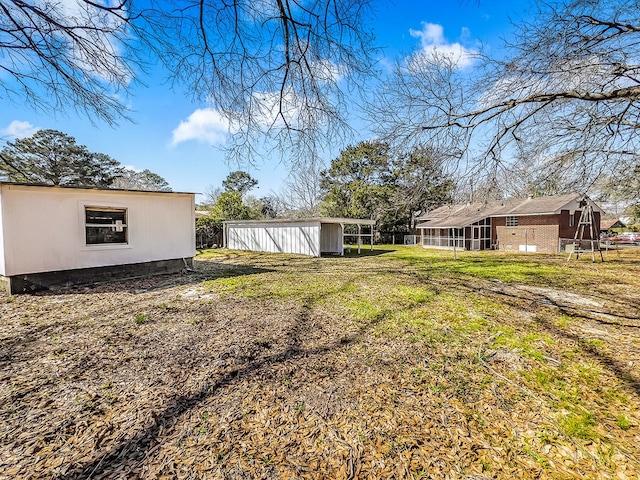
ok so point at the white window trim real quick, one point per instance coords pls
(83, 205)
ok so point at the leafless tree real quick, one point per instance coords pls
(627, 192)
(277, 66)
(301, 195)
(56, 54)
(211, 196)
(275, 69)
(567, 96)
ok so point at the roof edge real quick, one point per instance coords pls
(89, 187)
(333, 220)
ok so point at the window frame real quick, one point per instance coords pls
(511, 221)
(124, 225)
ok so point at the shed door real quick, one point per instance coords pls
(331, 238)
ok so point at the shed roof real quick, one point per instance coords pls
(88, 187)
(456, 216)
(335, 220)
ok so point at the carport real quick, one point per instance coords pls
(306, 236)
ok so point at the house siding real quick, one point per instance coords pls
(44, 228)
(298, 238)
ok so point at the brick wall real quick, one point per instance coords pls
(533, 220)
(569, 232)
(543, 237)
(543, 231)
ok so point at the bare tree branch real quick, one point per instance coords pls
(66, 54)
(566, 96)
(276, 70)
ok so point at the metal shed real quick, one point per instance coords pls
(306, 236)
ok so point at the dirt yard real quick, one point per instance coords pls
(403, 363)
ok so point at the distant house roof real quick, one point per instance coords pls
(457, 216)
(606, 224)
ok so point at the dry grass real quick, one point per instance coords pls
(401, 364)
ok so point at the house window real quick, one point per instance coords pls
(512, 221)
(105, 225)
(572, 220)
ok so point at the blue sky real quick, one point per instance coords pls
(175, 137)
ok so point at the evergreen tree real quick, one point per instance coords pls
(369, 181)
(144, 180)
(51, 157)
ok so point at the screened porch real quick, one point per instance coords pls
(476, 236)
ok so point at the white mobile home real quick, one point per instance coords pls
(308, 236)
(59, 235)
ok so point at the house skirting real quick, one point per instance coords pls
(64, 278)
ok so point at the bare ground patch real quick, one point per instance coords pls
(371, 369)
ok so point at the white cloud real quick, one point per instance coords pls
(203, 125)
(434, 45)
(268, 110)
(19, 129)
(431, 34)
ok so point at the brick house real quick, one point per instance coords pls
(541, 224)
